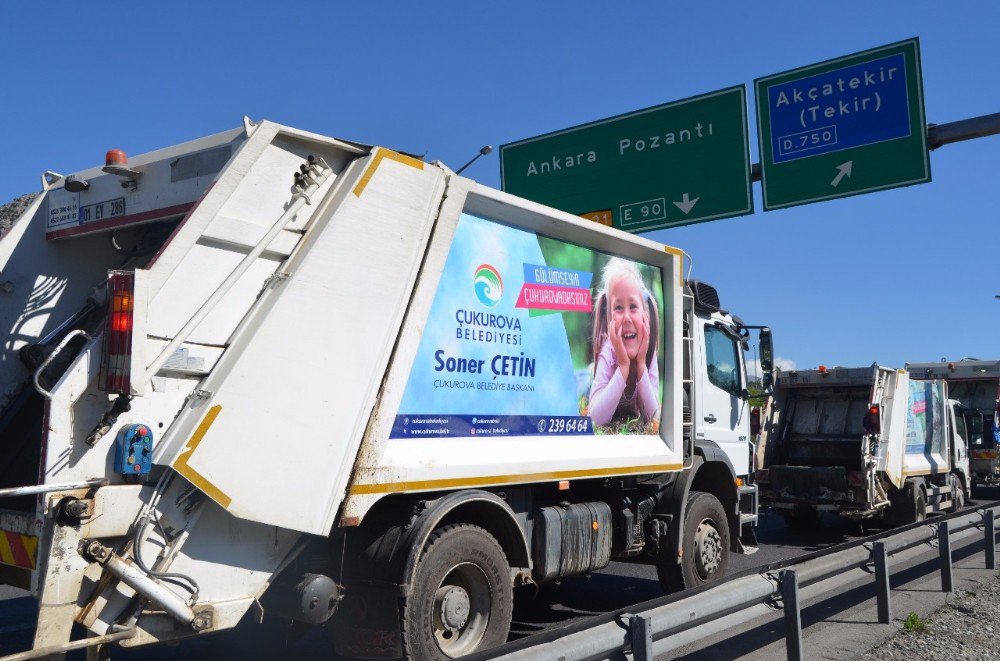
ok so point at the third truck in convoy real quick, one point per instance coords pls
(976, 385)
(863, 442)
(273, 372)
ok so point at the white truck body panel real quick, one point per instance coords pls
(400, 465)
(280, 404)
(266, 356)
(49, 281)
(301, 383)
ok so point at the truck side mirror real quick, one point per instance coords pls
(766, 359)
(766, 350)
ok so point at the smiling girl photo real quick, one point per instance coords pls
(626, 335)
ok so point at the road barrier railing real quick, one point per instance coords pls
(663, 625)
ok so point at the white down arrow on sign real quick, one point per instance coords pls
(686, 203)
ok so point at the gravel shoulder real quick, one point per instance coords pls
(965, 628)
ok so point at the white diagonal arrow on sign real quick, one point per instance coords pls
(843, 170)
(686, 203)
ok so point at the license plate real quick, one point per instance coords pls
(103, 210)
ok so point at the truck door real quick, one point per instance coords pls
(959, 446)
(721, 410)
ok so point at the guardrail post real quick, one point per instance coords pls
(944, 548)
(990, 533)
(882, 589)
(640, 630)
(793, 615)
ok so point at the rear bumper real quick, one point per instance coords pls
(984, 468)
(819, 488)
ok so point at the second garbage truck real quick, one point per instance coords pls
(863, 442)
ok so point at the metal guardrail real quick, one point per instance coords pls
(662, 625)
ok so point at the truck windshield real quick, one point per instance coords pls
(979, 430)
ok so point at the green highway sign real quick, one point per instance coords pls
(843, 127)
(674, 164)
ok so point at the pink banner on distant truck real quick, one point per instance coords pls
(547, 297)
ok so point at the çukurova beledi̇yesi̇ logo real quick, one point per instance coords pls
(488, 285)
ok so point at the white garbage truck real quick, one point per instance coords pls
(976, 385)
(862, 442)
(269, 372)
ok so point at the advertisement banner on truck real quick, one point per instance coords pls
(529, 335)
(925, 418)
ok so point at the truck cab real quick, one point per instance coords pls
(721, 410)
(958, 436)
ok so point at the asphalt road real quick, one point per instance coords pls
(617, 586)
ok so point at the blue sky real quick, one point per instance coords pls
(895, 276)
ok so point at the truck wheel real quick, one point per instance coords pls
(461, 595)
(705, 545)
(919, 505)
(908, 506)
(958, 495)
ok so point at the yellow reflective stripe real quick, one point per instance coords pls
(6, 555)
(433, 485)
(194, 477)
(30, 543)
(379, 156)
(677, 252)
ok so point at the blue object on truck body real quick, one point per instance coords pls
(134, 450)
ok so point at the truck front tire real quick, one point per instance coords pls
(461, 597)
(705, 545)
(957, 493)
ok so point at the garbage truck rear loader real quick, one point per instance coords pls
(862, 442)
(976, 385)
(273, 372)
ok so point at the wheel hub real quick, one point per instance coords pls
(452, 607)
(707, 548)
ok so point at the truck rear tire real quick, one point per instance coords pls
(705, 545)
(461, 597)
(909, 507)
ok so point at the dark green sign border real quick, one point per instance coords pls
(822, 67)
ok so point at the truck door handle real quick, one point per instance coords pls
(710, 418)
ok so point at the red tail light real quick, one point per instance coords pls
(755, 421)
(117, 363)
(873, 420)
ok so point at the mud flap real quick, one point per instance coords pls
(366, 625)
(748, 540)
